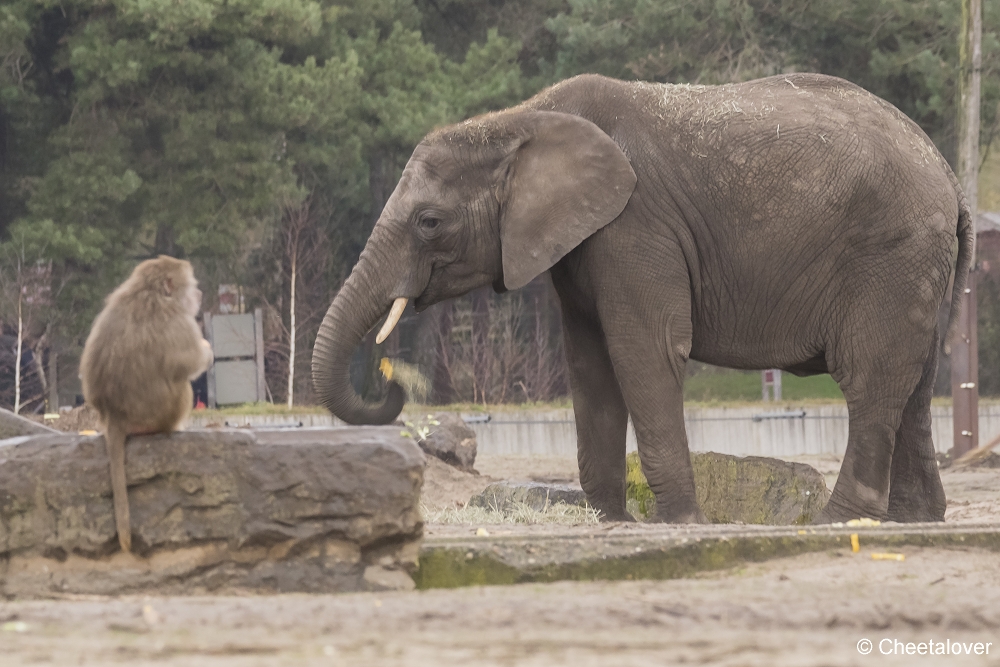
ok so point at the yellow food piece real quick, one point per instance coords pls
(865, 521)
(386, 367)
(855, 545)
(899, 557)
(88, 431)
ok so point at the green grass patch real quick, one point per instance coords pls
(724, 385)
(260, 408)
(565, 403)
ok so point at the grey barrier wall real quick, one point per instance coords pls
(742, 431)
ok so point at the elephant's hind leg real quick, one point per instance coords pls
(601, 416)
(878, 370)
(915, 490)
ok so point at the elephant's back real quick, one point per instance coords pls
(789, 112)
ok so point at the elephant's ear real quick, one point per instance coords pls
(565, 180)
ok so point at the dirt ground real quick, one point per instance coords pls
(973, 493)
(808, 610)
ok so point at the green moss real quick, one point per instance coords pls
(452, 567)
(637, 488)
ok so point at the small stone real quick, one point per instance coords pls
(149, 615)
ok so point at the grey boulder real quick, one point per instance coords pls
(757, 489)
(504, 496)
(221, 511)
(733, 489)
(449, 439)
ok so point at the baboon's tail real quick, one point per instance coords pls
(966, 254)
(114, 438)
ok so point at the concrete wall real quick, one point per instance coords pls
(822, 430)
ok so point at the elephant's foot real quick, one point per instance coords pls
(916, 508)
(608, 517)
(613, 510)
(838, 513)
(675, 514)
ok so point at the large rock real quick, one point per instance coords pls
(504, 496)
(303, 510)
(748, 490)
(445, 436)
(13, 425)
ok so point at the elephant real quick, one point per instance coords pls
(795, 222)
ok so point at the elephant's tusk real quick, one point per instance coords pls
(397, 310)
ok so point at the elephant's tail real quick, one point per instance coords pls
(966, 254)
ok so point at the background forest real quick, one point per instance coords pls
(260, 139)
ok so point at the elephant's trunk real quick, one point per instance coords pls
(361, 302)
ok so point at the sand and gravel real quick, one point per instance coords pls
(812, 609)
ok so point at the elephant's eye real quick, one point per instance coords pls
(429, 222)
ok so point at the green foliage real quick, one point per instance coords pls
(135, 127)
(138, 127)
(705, 41)
(903, 50)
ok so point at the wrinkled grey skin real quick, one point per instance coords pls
(795, 222)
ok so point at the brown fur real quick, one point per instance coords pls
(142, 353)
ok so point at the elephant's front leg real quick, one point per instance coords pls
(649, 355)
(601, 417)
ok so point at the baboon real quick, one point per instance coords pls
(143, 351)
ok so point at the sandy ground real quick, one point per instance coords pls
(808, 610)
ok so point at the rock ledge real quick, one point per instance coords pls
(311, 510)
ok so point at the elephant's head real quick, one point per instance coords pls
(495, 200)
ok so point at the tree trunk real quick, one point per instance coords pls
(291, 319)
(17, 357)
(380, 181)
(481, 351)
(443, 390)
(165, 243)
(53, 380)
(964, 350)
